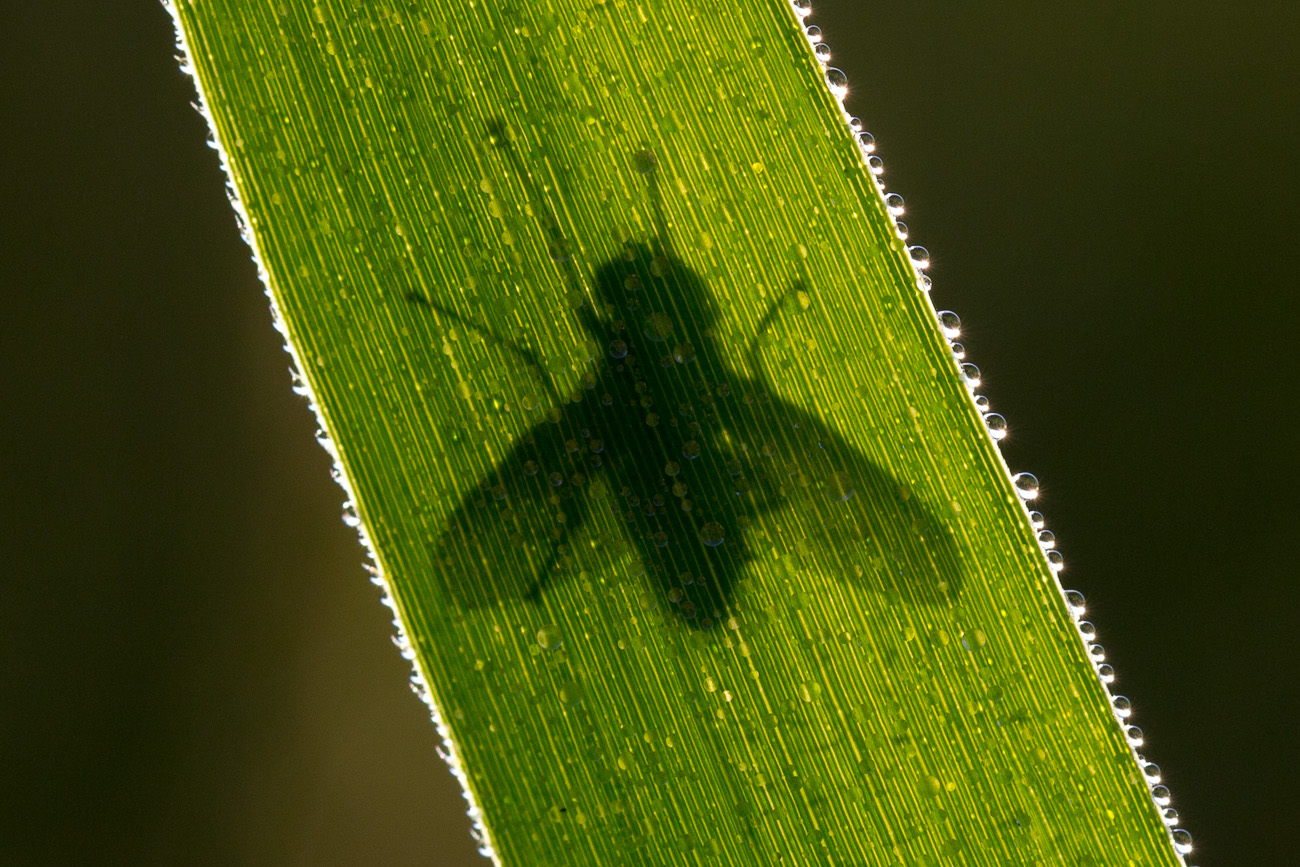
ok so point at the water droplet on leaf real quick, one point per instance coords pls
(571, 693)
(1026, 485)
(838, 82)
(997, 426)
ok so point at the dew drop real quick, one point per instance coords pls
(1134, 735)
(814, 34)
(876, 165)
(672, 468)
(690, 450)
(970, 375)
(836, 80)
(802, 8)
(1123, 707)
(712, 534)
(1151, 771)
(841, 487)
(1170, 815)
(1160, 794)
(660, 539)
(900, 229)
(350, 517)
(1105, 674)
(1036, 520)
(1182, 841)
(549, 637)
(958, 351)
(997, 426)
(1097, 653)
(1073, 598)
(855, 124)
(556, 479)
(1026, 485)
(657, 327)
(981, 403)
(920, 257)
(867, 142)
(894, 204)
(1055, 561)
(617, 349)
(559, 250)
(683, 353)
(823, 52)
(644, 161)
(949, 324)
(571, 693)
(530, 468)
(1047, 539)
(1087, 630)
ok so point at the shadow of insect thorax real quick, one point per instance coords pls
(701, 468)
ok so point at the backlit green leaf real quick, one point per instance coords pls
(700, 543)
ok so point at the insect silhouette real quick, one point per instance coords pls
(702, 465)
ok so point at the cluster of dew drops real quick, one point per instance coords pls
(1025, 484)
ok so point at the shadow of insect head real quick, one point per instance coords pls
(700, 464)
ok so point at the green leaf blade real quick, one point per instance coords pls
(874, 665)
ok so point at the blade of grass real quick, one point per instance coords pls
(703, 551)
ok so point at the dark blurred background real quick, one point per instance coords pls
(193, 667)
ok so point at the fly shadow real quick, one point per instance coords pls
(702, 466)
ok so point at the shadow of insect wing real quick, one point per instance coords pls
(858, 517)
(509, 536)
